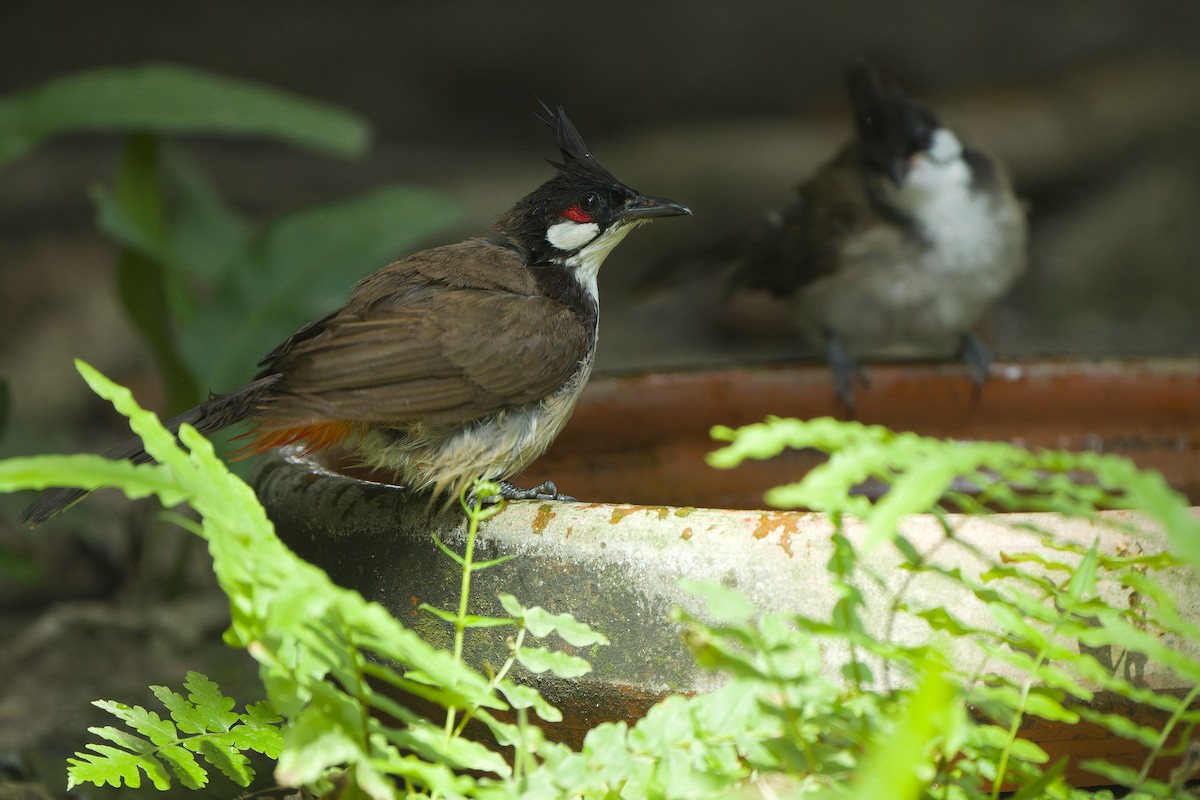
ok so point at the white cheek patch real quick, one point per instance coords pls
(945, 146)
(568, 235)
(939, 169)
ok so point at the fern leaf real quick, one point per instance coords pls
(229, 760)
(187, 717)
(216, 708)
(153, 727)
(265, 738)
(109, 765)
(185, 767)
(135, 744)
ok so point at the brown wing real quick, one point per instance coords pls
(425, 339)
(806, 241)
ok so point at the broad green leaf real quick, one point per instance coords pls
(133, 215)
(303, 266)
(205, 237)
(172, 99)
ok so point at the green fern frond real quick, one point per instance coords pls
(203, 724)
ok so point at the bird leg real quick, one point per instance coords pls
(975, 355)
(846, 370)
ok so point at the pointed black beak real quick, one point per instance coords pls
(649, 207)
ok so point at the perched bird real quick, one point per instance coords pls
(454, 363)
(897, 246)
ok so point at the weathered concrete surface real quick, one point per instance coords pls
(618, 568)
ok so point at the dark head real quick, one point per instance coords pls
(891, 126)
(578, 216)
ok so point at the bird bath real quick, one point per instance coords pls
(617, 565)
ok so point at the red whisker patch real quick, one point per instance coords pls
(577, 214)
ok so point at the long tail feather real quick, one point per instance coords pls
(210, 416)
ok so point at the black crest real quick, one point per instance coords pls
(890, 124)
(578, 161)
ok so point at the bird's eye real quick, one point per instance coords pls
(584, 209)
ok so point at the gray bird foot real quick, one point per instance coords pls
(543, 491)
(846, 371)
(978, 360)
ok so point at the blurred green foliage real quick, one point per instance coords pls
(904, 721)
(207, 288)
(164, 99)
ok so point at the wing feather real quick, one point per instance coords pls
(417, 342)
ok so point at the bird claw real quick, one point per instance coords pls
(543, 491)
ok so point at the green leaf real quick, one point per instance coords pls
(184, 765)
(519, 696)
(313, 743)
(135, 218)
(108, 765)
(1122, 726)
(540, 622)
(186, 716)
(205, 238)
(158, 730)
(301, 266)
(5, 405)
(134, 744)
(454, 751)
(469, 621)
(1036, 790)
(1082, 582)
(229, 761)
(216, 708)
(725, 605)
(172, 99)
(537, 660)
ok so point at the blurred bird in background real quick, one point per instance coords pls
(894, 248)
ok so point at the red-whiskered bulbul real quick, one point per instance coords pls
(455, 363)
(895, 247)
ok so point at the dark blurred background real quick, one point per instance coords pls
(1094, 105)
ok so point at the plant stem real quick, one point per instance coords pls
(464, 594)
(1180, 710)
(495, 682)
